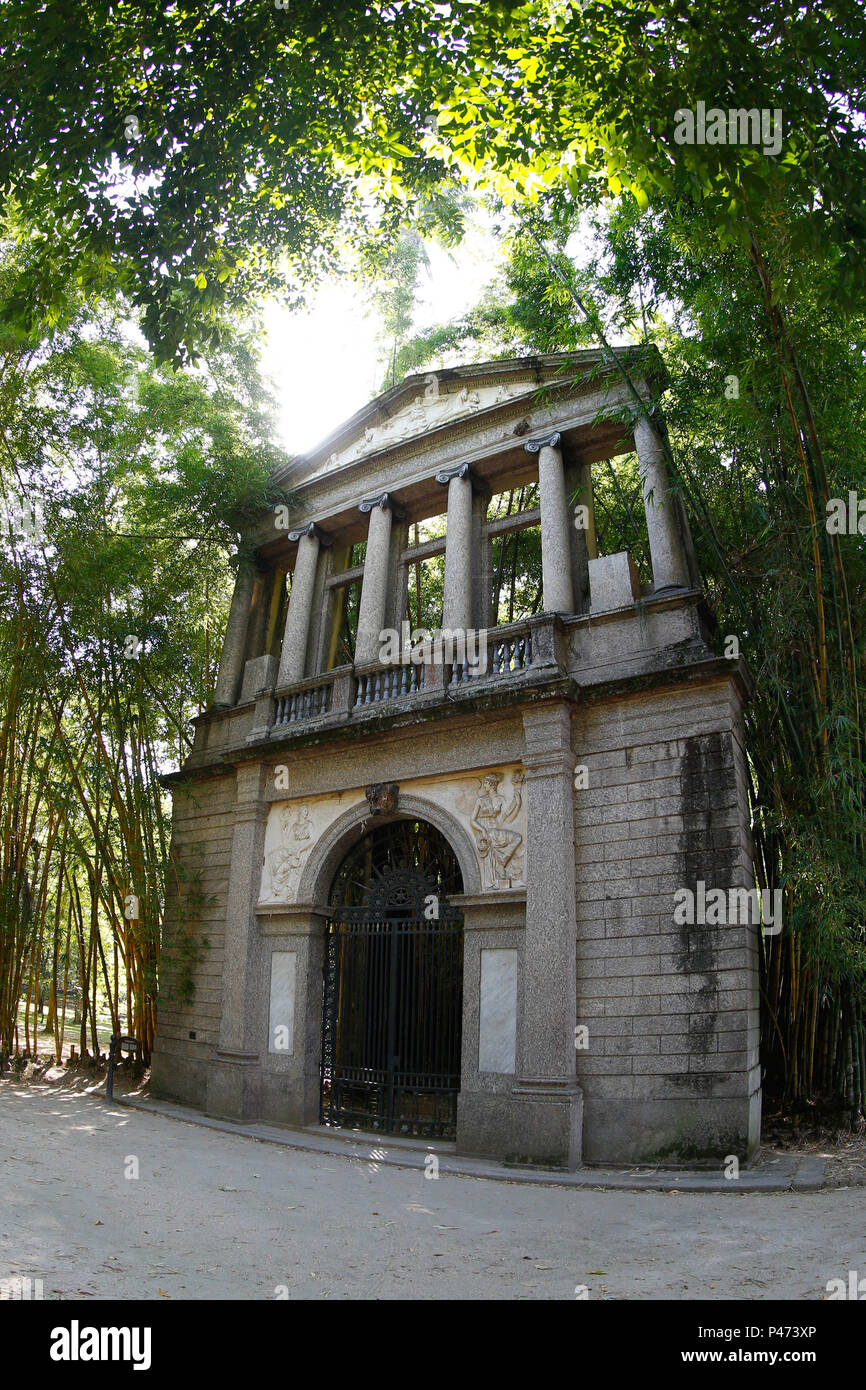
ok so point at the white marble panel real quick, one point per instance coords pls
(497, 1034)
(281, 1017)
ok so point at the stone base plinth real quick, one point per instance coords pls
(179, 1079)
(285, 1099)
(665, 1131)
(234, 1088)
(534, 1123)
(546, 1124)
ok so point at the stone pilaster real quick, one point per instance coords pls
(234, 1075)
(374, 585)
(457, 607)
(556, 572)
(665, 542)
(297, 630)
(291, 1084)
(235, 643)
(547, 1104)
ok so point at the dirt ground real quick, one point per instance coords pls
(797, 1134)
(215, 1215)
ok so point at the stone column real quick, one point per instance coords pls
(584, 546)
(483, 602)
(547, 1101)
(294, 653)
(557, 585)
(234, 646)
(374, 585)
(234, 1074)
(587, 497)
(457, 608)
(665, 542)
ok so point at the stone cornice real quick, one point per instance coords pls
(477, 439)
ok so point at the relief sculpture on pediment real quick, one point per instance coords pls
(427, 412)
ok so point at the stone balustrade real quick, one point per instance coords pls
(388, 683)
(513, 650)
(308, 702)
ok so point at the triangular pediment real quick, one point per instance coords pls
(425, 404)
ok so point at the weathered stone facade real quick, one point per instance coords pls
(594, 768)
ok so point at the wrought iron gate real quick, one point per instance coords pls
(393, 999)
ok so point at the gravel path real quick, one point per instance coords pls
(213, 1215)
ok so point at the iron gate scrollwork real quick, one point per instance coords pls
(393, 991)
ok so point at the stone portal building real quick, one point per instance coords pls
(430, 891)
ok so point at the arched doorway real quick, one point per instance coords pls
(393, 985)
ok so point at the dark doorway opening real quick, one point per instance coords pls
(393, 985)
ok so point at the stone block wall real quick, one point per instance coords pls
(190, 999)
(671, 1067)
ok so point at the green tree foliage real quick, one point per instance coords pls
(203, 155)
(581, 101)
(395, 294)
(125, 487)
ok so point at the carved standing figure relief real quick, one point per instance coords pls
(499, 848)
(295, 841)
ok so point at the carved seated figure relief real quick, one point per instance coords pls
(500, 849)
(286, 859)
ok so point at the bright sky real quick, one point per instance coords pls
(323, 362)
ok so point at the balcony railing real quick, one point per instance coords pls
(339, 695)
(505, 653)
(310, 702)
(388, 683)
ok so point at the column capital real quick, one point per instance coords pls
(547, 734)
(546, 764)
(463, 470)
(251, 786)
(549, 441)
(385, 500)
(323, 537)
